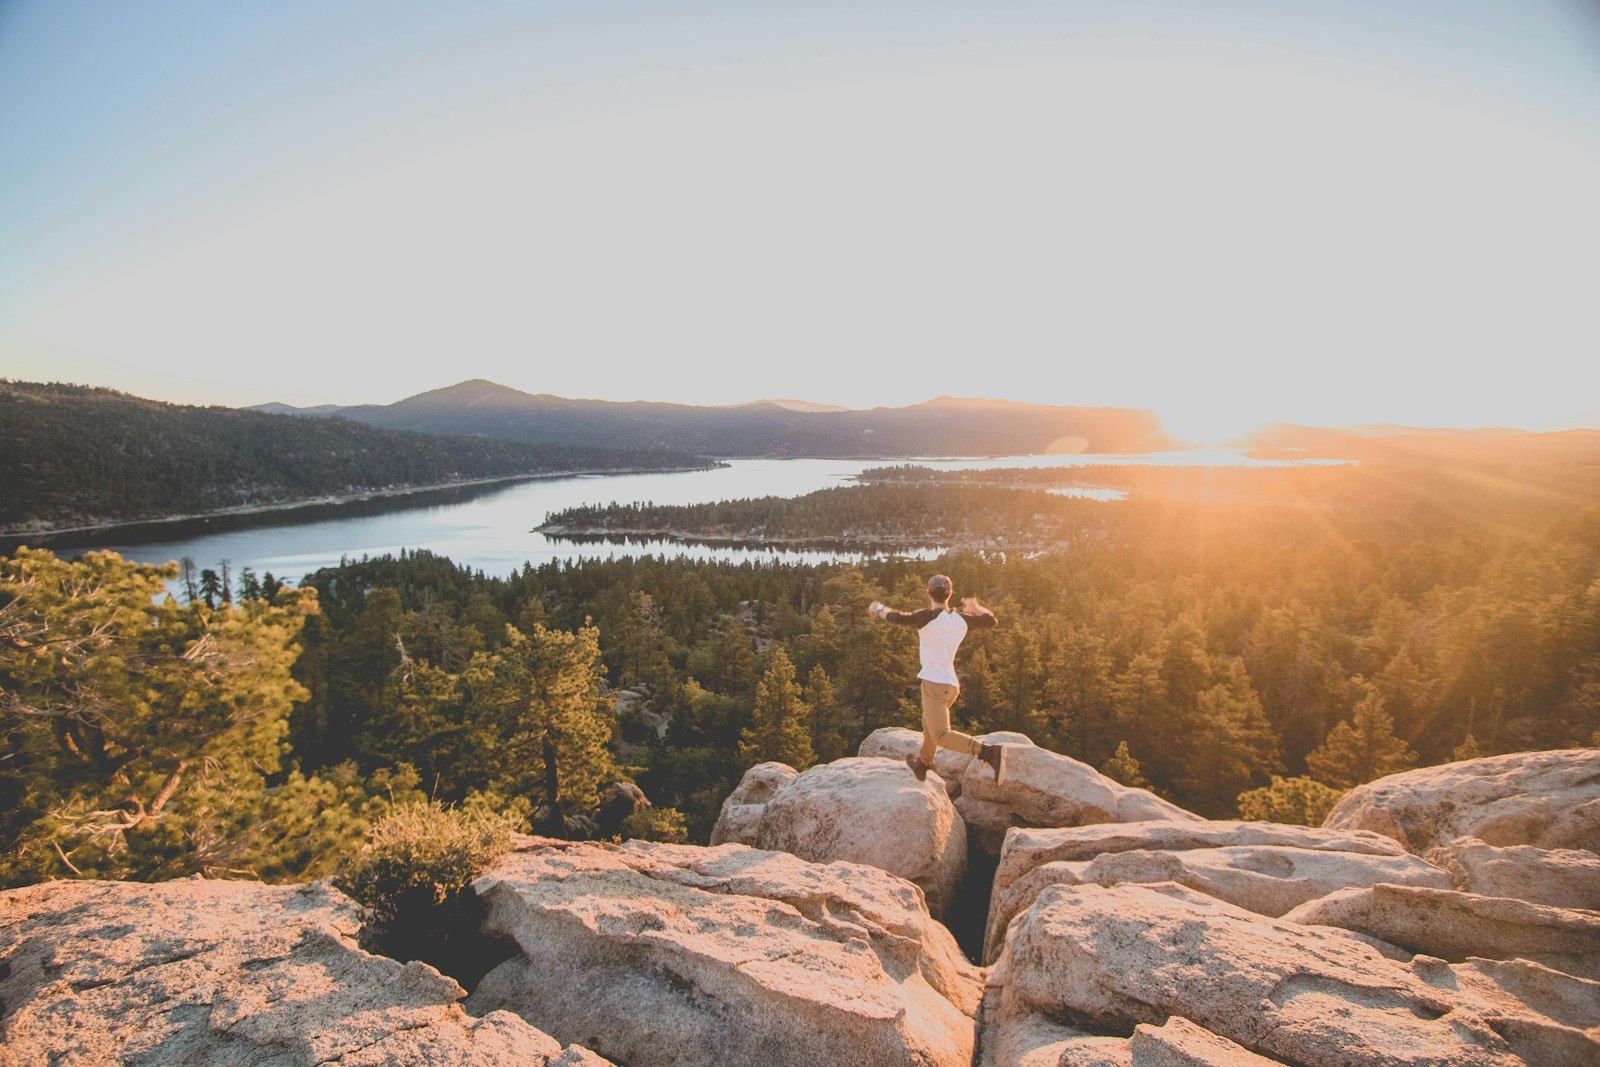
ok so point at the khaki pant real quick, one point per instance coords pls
(936, 733)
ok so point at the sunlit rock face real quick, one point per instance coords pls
(1561, 878)
(683, 955)
(220, 972)
(739, 822)
(858, 810)
(1549, 800)
(1042, 788)
(1262, 867)
(1102, 960)
(1461, 926)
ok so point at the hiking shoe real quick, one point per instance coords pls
(918, 768)
(994, 756)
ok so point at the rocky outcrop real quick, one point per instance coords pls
(739, 822)
(1107, 959)
(1180, 1043)
(1042, 788)
(1561, 878)
(662, 954)
(229, 973)
(1458, 926)
(1549, 800)
(1552, 1019)
(1264, 867)
(858, 810)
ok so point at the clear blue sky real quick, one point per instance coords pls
(1339, 211)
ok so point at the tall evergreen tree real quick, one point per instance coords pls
(827, 725)
(537, 721)
(1230, 745)
(778, 728)
(1360, 749)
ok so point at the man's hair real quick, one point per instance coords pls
(939, 587)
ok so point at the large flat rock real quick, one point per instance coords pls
(1458, 926)
(228, 973)
(1549, 800)
(681, 955)
(1266, 879)
(858, 810)
(1266, 867)
(1107, 959)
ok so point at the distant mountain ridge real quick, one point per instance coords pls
(778, 428)
(77, 456)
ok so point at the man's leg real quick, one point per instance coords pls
(936, 732)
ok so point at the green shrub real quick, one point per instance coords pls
(1297, 801)
(656, 824)
(414, 877)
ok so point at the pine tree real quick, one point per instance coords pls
(1229, 744)
(823, 648)
(139, 734)
(1360, 749)
(778, 730)
(1017, 672)
(827, 724)
(1080, 698)
(1405, 694)
(537, 722)
(1467, 749)
(1122, 767)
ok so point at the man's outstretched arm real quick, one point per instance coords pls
(918, 619)
(978, 617)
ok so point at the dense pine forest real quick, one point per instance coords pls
(76, 455)
(1245, 642)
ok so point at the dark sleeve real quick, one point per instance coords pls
(919, 619)
(979, 620)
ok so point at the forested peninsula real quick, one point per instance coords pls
(867, 516)
(78, 457)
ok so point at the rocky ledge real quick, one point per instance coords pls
(1128, 934)
(229, 973)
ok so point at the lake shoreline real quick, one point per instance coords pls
(18, 534)
(581, 534)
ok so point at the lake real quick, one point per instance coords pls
(491, 527)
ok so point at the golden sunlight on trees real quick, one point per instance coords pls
(1361, 749)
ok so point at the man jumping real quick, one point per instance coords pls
(940, 632)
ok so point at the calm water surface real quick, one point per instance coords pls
(491, 527)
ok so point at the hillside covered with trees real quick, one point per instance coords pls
(1250, 657)
(80, 456)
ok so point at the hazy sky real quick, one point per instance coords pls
(1326, 212)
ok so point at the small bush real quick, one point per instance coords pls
(1297, 801)
(414, 878)
(656, 824)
